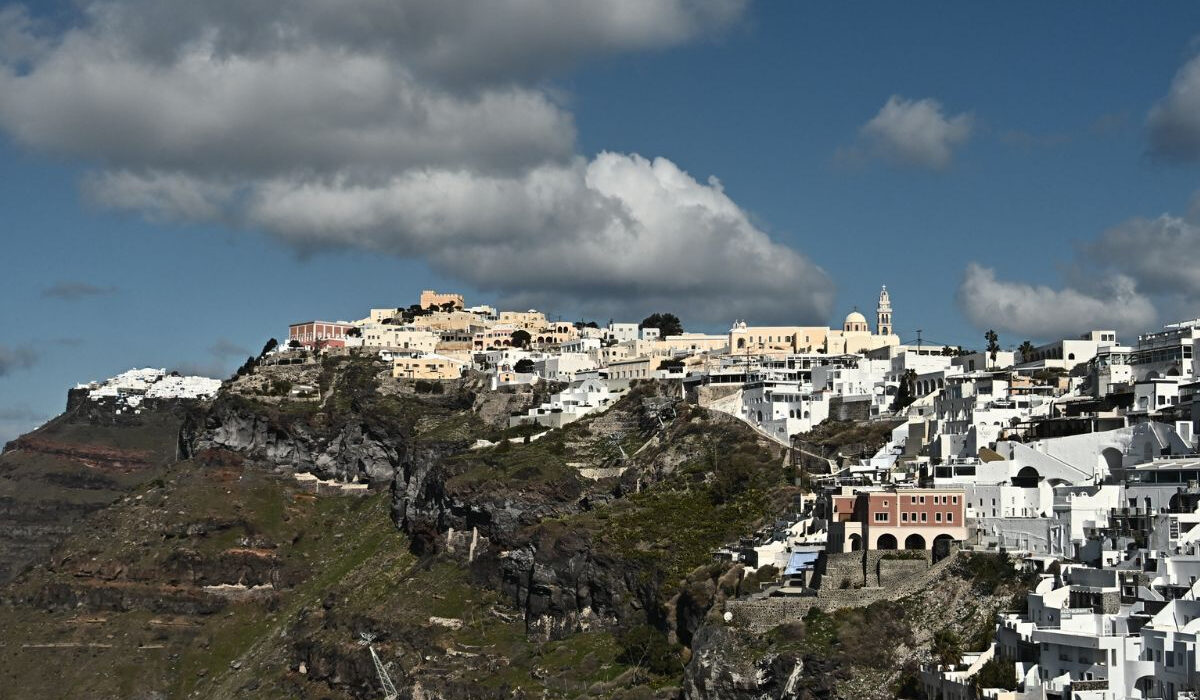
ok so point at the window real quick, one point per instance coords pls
(937, 517)
(924, 517)
(904, 517)
(912, 499)
(954, 500)
(922, 499)
(949, 517)
(881, 517)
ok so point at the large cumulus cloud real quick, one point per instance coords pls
(1129, 277)
(1174, 122)
(419, 129)
(1043, 312)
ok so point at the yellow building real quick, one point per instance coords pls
(428, 366)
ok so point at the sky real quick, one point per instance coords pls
(181, 180)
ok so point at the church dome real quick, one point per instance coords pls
(855, 317)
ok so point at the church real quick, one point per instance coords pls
(855, 335)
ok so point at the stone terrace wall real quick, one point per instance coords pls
(763, 614)
(844, 566)
(894, 572)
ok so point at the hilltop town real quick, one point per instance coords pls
(1075, 458)
(1023, 523)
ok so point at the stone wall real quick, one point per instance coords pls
(894, 572)
(853, 408)
(836, 568)
(763, 614)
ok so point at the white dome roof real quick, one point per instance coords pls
(855, 317)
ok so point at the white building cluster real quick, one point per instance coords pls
(129, 389)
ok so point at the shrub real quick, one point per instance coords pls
(647, 647)
(996, 673)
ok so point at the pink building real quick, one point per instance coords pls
(896, 519)
(330, 333)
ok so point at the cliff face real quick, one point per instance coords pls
(352, 452)
(484, 571)
(82, 461)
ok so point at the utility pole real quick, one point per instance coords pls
(389, 688)
(918, 341)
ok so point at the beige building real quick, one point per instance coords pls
(555, 334)
(694, 342)
(427, 366)
(530, 320)
(856, 336)
(499, 336)
(767, 339)
(634, 368)
(431, 298)
(377, 335)
(379, 316)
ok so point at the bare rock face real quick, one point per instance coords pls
(722, 667)
(353, 452)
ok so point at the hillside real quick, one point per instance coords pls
(176, 553)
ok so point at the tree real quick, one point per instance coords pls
(293, 343)
(246, 368)
(1026, 351)
(904, 395)
(667, 324)
(946, 648)
(993, 344)
(521, 338)
(996, 673)
(523, 366)
(355, 332)
(271, 345)
(449, 306)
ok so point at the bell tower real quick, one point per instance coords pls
(883, 313)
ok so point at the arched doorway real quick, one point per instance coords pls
(941, 547)
(914, 541)
(1113, 460)
(886, 541)
(1027, 477)
(855, 542)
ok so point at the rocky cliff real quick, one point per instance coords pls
(488, 562)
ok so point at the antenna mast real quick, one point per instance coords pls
(389, 688)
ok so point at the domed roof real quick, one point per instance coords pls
(855, 317)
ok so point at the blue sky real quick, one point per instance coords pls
(769, 98)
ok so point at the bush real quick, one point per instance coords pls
(996, 673)
(648, 648)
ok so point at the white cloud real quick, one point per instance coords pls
(1042, 312)
(160, 196)
(1174, 122)
(1154, 253)
(415, 129)
(600, 233)
(911, 133)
